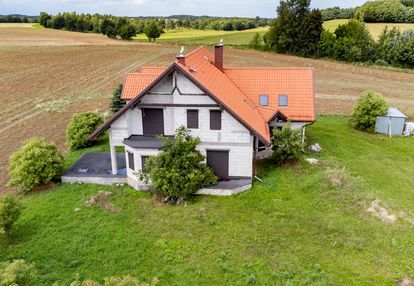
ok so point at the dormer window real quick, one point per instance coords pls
(283, 100)
(264, 100)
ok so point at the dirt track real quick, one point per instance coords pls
(42, 85)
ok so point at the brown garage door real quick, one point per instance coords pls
(219, 162)
(153, 121)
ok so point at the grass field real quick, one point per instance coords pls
(374, 28)
(304, 225)
(206, 37)
(47, 75)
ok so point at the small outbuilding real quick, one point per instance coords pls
(392, 123)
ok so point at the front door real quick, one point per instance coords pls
(219, 162)
(153, 121)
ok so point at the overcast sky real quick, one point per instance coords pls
(241, 8)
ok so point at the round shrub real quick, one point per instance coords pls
(370, 105)
(17, 272)
(287, 144)
(80, 127)
(178, 171)
(35, 163)
(10, 209)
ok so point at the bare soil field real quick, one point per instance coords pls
(44, 83)
(26, 36)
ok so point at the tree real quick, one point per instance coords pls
(108, 28)
(117, 103)
(10, 209)
(287, 144)
(326, 45)
(80, 127)
(354, 42)
(370, 105)
(127, 31)
(43, 18)
(152, 31)
(296, 30)
(35, 163)
(178, 170)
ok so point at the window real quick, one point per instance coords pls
(143, 161)
(192, 119)
(264, 100)
(215, 119)
(283, 100)
(131, 162)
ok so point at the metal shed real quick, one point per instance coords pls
(392, 123)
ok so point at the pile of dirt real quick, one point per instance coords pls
(101, 199)
(381, 212)
(405, 282)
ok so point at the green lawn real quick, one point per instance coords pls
(205, 37)
(374, 28)
(304, 225)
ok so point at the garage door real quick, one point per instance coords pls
(219, 162)
(153, 121)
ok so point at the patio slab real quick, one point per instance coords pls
(95, 168)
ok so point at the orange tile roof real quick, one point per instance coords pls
(198, 66)
(135, 83)
(239, 89)
(296, 83)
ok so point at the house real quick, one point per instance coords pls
(232, 111)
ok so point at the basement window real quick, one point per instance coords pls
(264, 100)
(283, 100)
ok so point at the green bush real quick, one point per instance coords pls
(80, 127)
(178, 170)
(287, 144)
(10, 209)
(17, 273)
(117, 103)
(35, 163)
(369, 106)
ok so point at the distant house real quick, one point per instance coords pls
(232, 110)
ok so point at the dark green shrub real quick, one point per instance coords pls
(117, 103)
(18, 273)
(370, 105)
(178, 170)
(10, 209)
(35, 163)
(287, 144)
(80, 127)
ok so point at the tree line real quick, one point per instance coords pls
(380, 11)
(17, 19)
(298, 30)
(126, 28)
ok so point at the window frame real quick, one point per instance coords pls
(215, 124)
(144, 159)
(196, 124)
(279, 100)
(264, 96)
(131, 159)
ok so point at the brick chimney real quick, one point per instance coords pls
(181, 57)
(219, 55)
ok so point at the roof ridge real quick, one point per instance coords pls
(269, 68)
